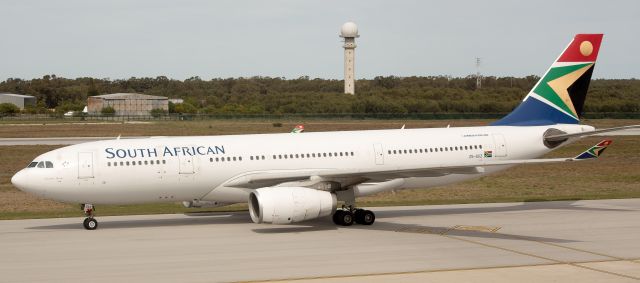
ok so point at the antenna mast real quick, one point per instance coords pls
(478, 75)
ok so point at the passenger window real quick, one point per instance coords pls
(164, 162)
(109, 164)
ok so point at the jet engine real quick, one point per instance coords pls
(283, 205)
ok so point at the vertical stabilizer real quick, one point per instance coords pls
(558, 97)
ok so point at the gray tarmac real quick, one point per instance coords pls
(565, 241)
(77, 140)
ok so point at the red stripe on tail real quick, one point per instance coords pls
(583, 48)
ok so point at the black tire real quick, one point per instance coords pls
(337, 216)
(90, 224)
(346, 219)
(358, 216)
(368, 217)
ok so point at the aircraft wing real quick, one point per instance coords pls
(562, 137)
(348, 177)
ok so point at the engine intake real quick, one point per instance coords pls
(283, 205)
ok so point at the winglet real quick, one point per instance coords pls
(594, 151)
(298, 129)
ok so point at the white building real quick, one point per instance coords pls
(18, 99)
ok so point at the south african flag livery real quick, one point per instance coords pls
(594, 151)
(559, 95)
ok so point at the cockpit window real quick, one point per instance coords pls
(41, 164)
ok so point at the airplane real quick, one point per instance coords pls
(288, 178)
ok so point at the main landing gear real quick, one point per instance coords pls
(89, 223)
(348, 215)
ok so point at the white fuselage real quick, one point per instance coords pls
(170, 169)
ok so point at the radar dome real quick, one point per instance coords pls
(349, 29)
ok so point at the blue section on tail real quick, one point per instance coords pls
(533, 112)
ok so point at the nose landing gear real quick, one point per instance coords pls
(89, 223)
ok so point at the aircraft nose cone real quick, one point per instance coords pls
(19, 180)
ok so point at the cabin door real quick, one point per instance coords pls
(85, 165)
(186, 164)
(500, 145)
(379, 154)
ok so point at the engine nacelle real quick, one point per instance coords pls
(283, 205)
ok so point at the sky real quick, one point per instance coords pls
(291, 38)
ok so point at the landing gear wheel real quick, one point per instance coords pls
(336, 216)
(90, 223)
(358, 216)
(368, 217)
(364, 217)
(343, 217)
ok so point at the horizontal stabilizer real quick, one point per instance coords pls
(562, 137)
(594, 151)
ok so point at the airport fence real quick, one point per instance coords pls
(296, 116)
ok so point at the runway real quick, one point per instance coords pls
(77, 140)
(581, 241)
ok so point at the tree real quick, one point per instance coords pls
(185, 108)
(108, 111)
(8, 109)
(157, 112)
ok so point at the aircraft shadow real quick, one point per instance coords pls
(526, 206)
(452, 232)
(200, 219)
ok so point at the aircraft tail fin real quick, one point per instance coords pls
(558, 97)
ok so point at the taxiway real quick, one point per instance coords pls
(587, 241)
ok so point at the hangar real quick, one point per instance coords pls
(18, 99)
(127, 103)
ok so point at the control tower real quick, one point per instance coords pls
(349, 32)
